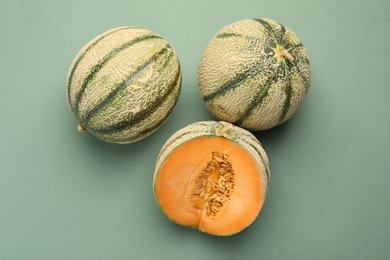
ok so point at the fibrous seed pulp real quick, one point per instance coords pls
(213, 186)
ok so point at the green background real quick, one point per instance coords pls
(66, 195)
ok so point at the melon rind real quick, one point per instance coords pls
(254, 73)
(123, 84)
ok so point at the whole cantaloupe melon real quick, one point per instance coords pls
(123, 84)
(254, 73)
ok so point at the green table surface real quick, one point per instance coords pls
(67, 195)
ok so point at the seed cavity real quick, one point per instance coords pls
(213, 186)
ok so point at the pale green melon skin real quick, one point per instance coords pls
(227, 58)
(146, 75)
(233, 133)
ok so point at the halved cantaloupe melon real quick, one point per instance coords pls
(212, 176)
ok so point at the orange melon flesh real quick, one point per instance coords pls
(177, 178)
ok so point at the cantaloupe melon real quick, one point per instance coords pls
(254, 73)
(123, 84)
(212, 176)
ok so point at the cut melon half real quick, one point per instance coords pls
(212, 176)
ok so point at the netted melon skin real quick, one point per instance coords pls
(123, 85)
(255, 74)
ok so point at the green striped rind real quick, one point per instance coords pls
(242, 81)
(86, 49)
(123, 85)
(223, 129)
(145, 122)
